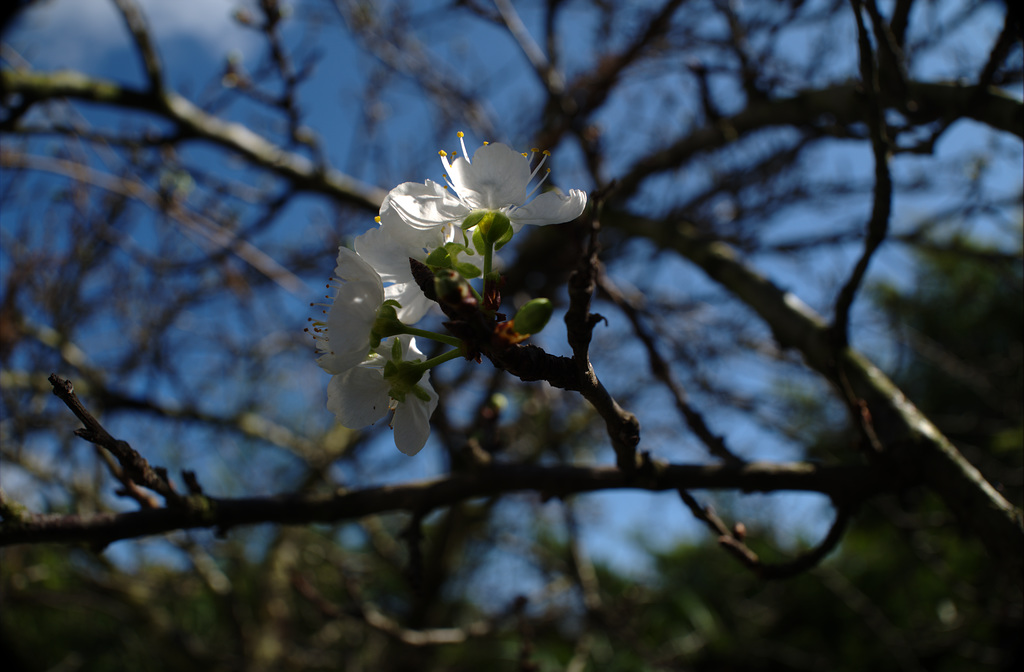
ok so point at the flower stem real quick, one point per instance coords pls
(441, 359)
(488, 254)
(433, 335)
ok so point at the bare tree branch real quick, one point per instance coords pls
(914, 450)
(853, 482)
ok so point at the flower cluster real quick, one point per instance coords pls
(366, 339)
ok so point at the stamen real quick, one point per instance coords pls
(448, 182)
(537, 186)
(444, 160)
(462, 141)
(544, 157)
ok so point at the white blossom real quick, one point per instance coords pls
(496, 180)
(364, 394)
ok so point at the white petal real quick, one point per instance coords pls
(550, 207)
(360, 294)
(383, 253)
(425, 206)
(410, 350)
(388, 249)
(496, 179)
(414, 302)
(358, 397)
(412, 420)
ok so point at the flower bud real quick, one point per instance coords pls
(532, 317)
(453, 290)
(493, 229)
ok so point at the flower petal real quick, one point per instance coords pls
(496, 178)
(388, 249)
(550, 207)
(412, 420)
(351, 316)
(358, 397)
(424, 206)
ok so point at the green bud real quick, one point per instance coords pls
(478, 242)
(490, 228)
(532, 317)
(494, 227)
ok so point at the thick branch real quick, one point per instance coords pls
(845, 483)
(194, 122)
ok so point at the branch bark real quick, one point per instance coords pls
(852, 483)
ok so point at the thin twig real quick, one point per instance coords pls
(623, 427)
(134, 465)
(662, 372)
(383, 623)
(137, 26)
(878, 225)
(732, 540)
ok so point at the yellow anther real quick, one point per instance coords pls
(486, 143)
(460, 134)
(442, 153)
(377, 219)
(534, 150)
(546, 153)
(524, 154)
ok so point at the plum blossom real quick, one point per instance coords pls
(387, 382)
(496, 180)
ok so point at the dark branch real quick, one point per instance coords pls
(851, 483)
(878, 225)
(135, 467)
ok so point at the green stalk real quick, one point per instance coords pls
(434, 336)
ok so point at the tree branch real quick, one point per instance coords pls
(194, 122)
(878, 225)
(623, 427)
(850, 483)
(913, 449)
(135, 467)
(842, 105)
